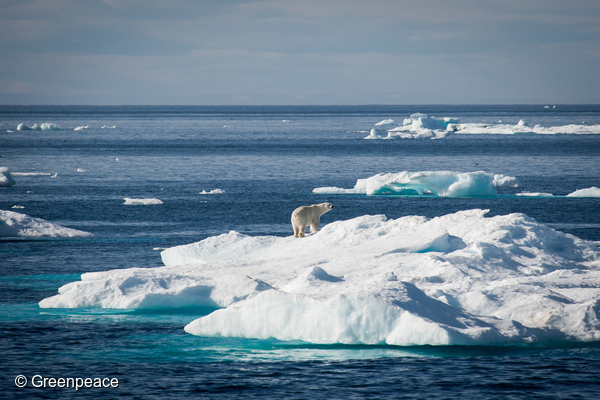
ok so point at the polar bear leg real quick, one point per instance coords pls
(314, 226)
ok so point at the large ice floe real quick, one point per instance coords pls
(461, 278)
(435, 183)
(423, 126)
(16, 225)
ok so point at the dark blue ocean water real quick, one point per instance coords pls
(264, 158)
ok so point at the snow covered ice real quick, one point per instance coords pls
(13, 225)
(436, 183)
(461, 278)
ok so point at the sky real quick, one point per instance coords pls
(288, 52)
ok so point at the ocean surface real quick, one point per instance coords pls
(266, 161)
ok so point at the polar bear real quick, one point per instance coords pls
(308, 215)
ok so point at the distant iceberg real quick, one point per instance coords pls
(423, 126)
(213, 191)
(434, 183)
(457, 279)
(589, 192)
(141, 202)
(16, 225)
(46, 126)
(385, 122)
(6, 178)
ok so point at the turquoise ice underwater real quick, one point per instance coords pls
(434, 270)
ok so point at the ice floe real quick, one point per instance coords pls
(6, 178)
(436, 183)
(461, 278)
(46, 126)
(141, 202)
(213, 191)
(17, 225)
(589, 192)
(423, 126)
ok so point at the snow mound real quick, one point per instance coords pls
(13, 224)
(6, 178)
(589, 192)
(460, 278)
(141, 202)
(436, 183)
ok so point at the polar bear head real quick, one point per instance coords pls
(325, 207)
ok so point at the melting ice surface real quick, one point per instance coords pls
(419, 126)
(437, 183)
(460, 278)
(13, 224)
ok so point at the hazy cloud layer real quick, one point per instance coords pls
(299, 52)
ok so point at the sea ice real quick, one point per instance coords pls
(422, 126)
(436, 183)
(589, 192)
(385, 122)
(46, 126)
(6, 178)
(213, 191)
(141, 202)
(13, 224)
(460, 278)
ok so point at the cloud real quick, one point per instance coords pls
(299, 51)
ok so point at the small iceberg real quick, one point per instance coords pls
(46, 126)
(589, 192)
(213, 191)
(16, 225)
(385, 122)
(141, 202)
(6, 178)
(427, 183)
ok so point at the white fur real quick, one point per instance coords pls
(308, 215)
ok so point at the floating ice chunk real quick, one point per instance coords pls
(213, 191)
(13, 224)
(589, 192)
(141, 202)
(422, 126)
(535, 194)
(16, 206)
(46, 126)
(6, 178)
(80, 128)
(81, 170)
(373, 134)
(460, 278)
(31, 174)
(437, 183)
(108, 127)
(505, 181)
(385, 122)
